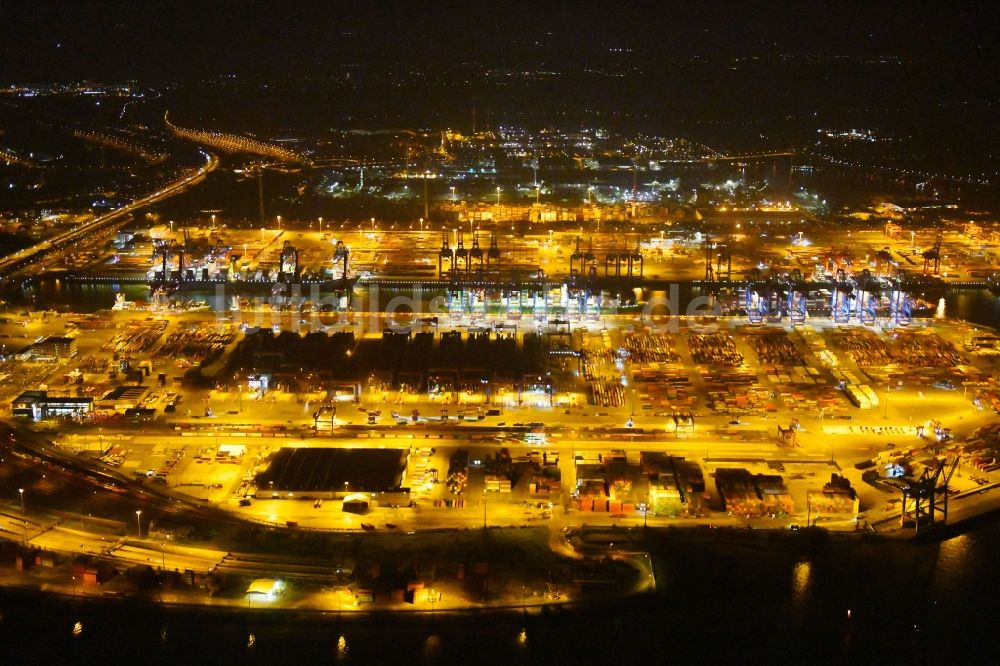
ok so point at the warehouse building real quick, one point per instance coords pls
(50, 349)
(39, 405)
(325, 473)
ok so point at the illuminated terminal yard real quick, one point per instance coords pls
(432, 369)
(578, 408)
(503, 333)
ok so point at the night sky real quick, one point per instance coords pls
(184, 40)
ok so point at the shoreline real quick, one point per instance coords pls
(656, 543)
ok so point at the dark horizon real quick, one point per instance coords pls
(513, 332)
(118, 41)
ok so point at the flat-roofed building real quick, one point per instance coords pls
(38, 405)
(322, 473)
(50, 349)
(123, 398)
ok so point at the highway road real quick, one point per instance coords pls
(168, 556)
(11, 264)
(50, 535)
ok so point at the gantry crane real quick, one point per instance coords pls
(493, 254)
(725, 256)
(445, 254)
(476, 254)
(933, 256)
(462, 254)
(925, 499)
(709, 270)
(342, 254)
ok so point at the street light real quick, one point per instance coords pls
(498, 195)
(321, 225)
(426, 200)
(138, 525)
(21, 493)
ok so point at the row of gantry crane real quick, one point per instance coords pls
(462, 260)
(855, 298)
(170, 260)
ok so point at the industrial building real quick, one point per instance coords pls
(50, 349)
(39, 405)
(324, 473)
(123, 398)
(753, 495)
(837, 498)
(676, 486)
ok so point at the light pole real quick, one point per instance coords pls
(321, 225)
(138, 524)
(538, 194)
(20, 491)
(213, 221)
(279, 223)
(426, 201)
(498, 195)
(452, 193)
(421, 225)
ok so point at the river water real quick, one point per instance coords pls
(978, 306)
(735, 598)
